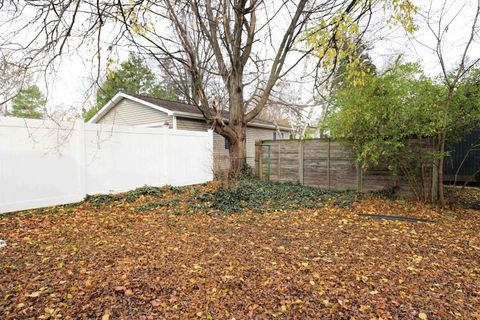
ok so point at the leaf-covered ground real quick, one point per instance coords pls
(167, 254)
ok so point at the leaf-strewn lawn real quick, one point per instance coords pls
(165, 254)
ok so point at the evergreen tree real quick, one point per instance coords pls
(29, 103)
(133, 76)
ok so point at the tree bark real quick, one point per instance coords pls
(441, 147)
(238, 150)
(236, 121)
(441, 195)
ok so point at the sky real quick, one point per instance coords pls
(71, 86)
(415, 47)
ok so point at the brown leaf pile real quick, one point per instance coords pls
(111, 262)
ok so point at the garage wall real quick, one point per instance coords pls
(131, 113)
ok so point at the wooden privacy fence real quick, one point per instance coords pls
(322, 163)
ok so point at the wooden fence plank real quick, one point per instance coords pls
(324, 163)
(300, 161)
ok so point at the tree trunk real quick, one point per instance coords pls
(441, 148)
(441, 195)
(238, 150)
(236, 121)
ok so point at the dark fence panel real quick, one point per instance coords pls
(463, 162)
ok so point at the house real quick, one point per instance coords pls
(143, 111)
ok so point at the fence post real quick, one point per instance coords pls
(328, 165)
(278, 162)
(268, 161)
(258, 159)
(435, 180)
(165, 156)
(211, 152)
(301, 148)
(82, 154)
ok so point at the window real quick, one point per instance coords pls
(274, 135)
(227, 144)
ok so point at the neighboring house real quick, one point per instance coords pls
(142, 111)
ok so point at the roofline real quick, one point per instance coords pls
(190, 115)
(120, 95)
(268, 126)
(116, 99)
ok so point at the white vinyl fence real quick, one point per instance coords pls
(44, 163)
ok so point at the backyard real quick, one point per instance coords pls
(252, 251)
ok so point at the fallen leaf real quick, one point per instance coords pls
(106, 315)
(35, 294)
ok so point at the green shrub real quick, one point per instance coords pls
(175, 190)
(246, 194)
(133, 195)
(265, 196)
(130, 196)
(98, 199)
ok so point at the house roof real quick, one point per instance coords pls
(175, 108)
(170, 105)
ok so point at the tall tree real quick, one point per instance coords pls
(233, 51)
(344, 75)
(439, 22)
(29, 103)
(133, 76)
(229, 30)
(12, 78)
(380, 115)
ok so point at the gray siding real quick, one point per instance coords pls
(131, 113)
(192, 124)
(254, 134)
(220, 154)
